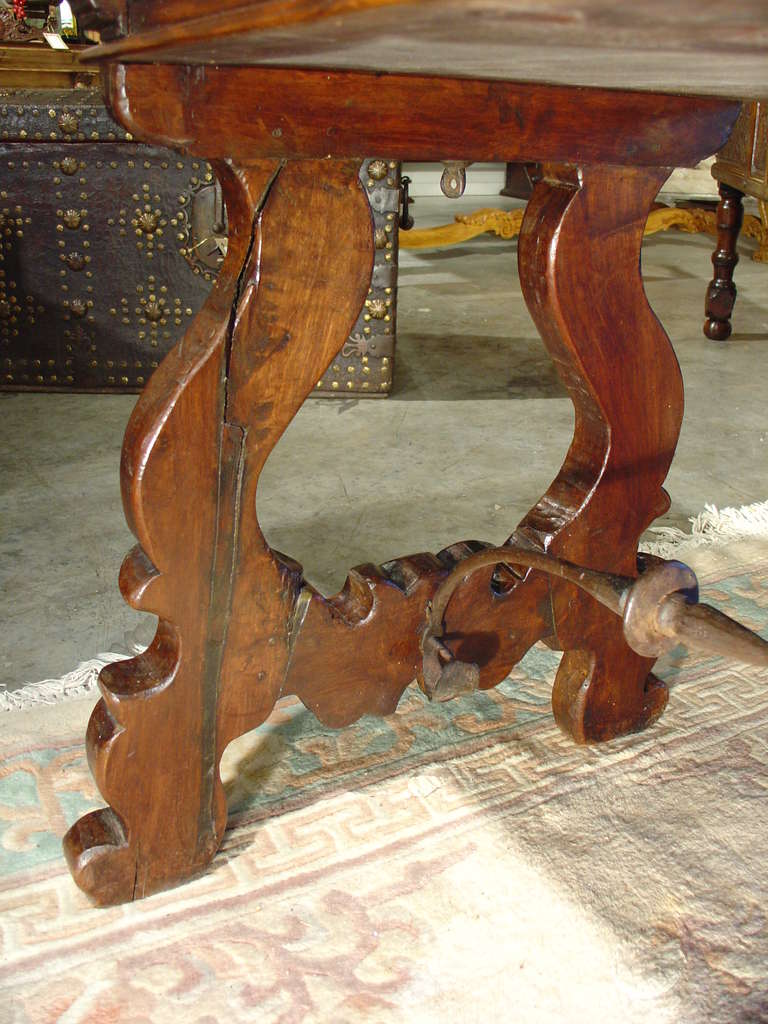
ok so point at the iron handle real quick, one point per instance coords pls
(659, 609)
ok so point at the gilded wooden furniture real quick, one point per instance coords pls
(692, 218)
(741, 169)
(273, 96)
(507, 223)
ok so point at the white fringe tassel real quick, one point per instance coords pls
(80, 682)
(710, 527)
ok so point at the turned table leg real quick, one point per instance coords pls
(721, 293)
(295, 278)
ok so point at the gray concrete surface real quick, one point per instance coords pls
(474, 431)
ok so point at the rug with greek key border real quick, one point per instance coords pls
(458, 862)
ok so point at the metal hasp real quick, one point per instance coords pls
(406, 220)
(454, 178)
(659, 609)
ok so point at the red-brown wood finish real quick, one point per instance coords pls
(239, 627)
(656, 45)
(192, 455)
(579, 256)
(308, 114)
(721, 292)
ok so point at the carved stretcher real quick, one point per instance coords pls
(239, 626)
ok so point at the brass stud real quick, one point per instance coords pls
(68, 123)
(377, 308)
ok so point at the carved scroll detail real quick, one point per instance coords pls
(295, 278)
(355, 653)
(580, 270)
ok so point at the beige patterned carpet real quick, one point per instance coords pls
(464, 862)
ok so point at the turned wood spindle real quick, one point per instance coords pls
(721, 293)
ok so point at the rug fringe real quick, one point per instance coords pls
(712, 526)
(80, 682)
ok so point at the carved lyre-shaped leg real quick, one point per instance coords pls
(295, 278)
(579, 257)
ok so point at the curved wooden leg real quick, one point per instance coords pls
(721, 293)
(295, 278)
(579, 257)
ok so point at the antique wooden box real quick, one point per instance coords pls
(109, 249)
(743, 162)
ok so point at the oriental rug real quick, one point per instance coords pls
(460, 862)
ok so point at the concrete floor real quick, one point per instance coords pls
(475, 429)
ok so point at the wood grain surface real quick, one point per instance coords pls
(245, 113)
(239, 627)
(684, 46)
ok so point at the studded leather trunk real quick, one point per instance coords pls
(109, 248)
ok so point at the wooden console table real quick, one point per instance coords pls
(274, 96)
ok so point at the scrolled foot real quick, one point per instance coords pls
(100, 858)
(110, 870)
(589, 706)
